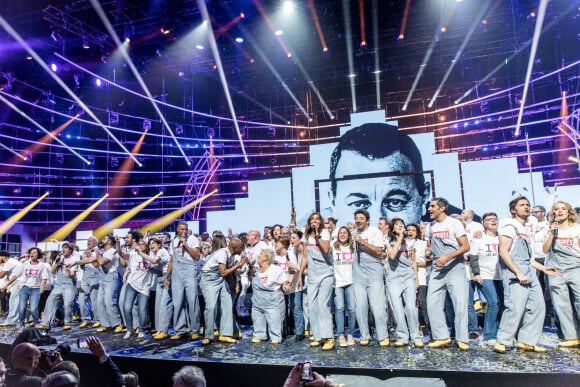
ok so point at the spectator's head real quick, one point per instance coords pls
(189, 376)
(25, 357)
(4, 255)
(34, 254)
(520, 207)
(60, 379)
(467, 215)
(68, 366)
(131, 379)
(393, 184)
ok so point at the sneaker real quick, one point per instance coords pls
(76, 317)
(440, 343)
(66, 327)
(364, 342)
(399, 344)
(385, 342)
(307, 333)
(195, 336)
(205, 342)
(299, 338)
(103, 329)
(350, 340)
(127, 335)
(531, 348)
(490, 342)
(119, 328)
(255, 340)
(462, 346)
(45, 327)
(161, 336)
(276, 342)
(227, 339)
(418, 343)
(176, 336)
(499, 348)
(85, 324)
(342, 341)
(216, 332)
(5, 324)
(328, 345)
(473, 336)
(96, 325)
(569, 343)
(315, 343)
(140, 335)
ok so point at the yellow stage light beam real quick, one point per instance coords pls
(8, 223)
(122, 176)
(317, 25)
(122, 219)
(165, 220)
(65, 230)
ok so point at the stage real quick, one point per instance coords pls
(247, 364)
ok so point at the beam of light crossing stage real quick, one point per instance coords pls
(264, 15)
(109, 27)
(214, 49)
(361, 15)
(317, 25)
(33, 122)
(405, 18)
(455, 59)
(59, 81)
(537, 32)
(260, 104)
(13, 152)
(8, 223)
(120, 179)
(375, 8)
(313, 87)
(507, 60)
(65, 230)
(349, 51)
(123, 218)
(166, 220)
(422, 67)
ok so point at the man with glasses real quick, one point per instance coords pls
(25, 357)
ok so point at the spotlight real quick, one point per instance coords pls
(239, 39)
(199, 47)
(53, 67)
(16, 190)
(279, 33)
(443, 29)
(78, 192)
(146, 125)
(135, 191)
(242, 15)
(401, 37)
(324, 49)
(98, 82)
(363, 43)
(210, 132)
(86, 45)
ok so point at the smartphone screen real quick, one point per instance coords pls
(306, 374)
(82, 342)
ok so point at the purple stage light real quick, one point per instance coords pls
(98, 82)
(53, 67)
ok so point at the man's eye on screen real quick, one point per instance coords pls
(395, 204)
(364, 204)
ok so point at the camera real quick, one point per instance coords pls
(306, 373)
(52, 354)
(82, 342)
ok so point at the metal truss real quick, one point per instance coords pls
(61, 19)
(198, 183)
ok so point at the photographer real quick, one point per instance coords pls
(25, 357)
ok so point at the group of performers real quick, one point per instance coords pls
(322, 282)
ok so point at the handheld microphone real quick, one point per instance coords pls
(557, 220)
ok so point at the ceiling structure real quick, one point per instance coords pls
(171, 51)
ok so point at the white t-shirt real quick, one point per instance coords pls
(11, 267)
(443, 236)
(486, 248)
(164, 257)
(32, 275)
(471, 228)
(114, 260)
(139, 277)
(273, 278)
(252, 252)
(420, 246)
(343, 260)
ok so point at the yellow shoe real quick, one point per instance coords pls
(76, 317)
(440, 343)
(328, 345)
(255, 340)
(96, 325)
(462, 346)
(315, 343)
(119, 328)
(531, 348)
(499, 348)
(176, 336)
(400, 344)
(275, 342)
(216, 333)
(237, 335)
(42, 326)
(227, 339)
(84, 324)
(205, 342)
(103, 329)
(364, 343)
(161, 336)
(5, 324)
(195, 336)
(417, 343)
(385, 342)
(569, 343)
(307, 333)
(66, 327)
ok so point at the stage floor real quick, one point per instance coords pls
(371, 360)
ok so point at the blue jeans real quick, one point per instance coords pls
(297, 312)
(142, 305)
(342, 294)
(28, 294)
(493, 293)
